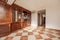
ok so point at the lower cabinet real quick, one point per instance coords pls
(18, 25)
(15, 26)
(4, 30)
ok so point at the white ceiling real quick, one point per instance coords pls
(31, 4)
(37, 4)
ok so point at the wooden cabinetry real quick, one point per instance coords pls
(21, 17)
(16, 26)
(4, 30)
(15, 18)
(5, 19)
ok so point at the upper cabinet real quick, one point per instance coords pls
(20, 13)
(5, 13)
(21, 16)
(14, 13)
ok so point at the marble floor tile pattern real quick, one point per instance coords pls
(29, 33)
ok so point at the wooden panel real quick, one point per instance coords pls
(19, 24)
(8, 17)
(15, 26)
(4, 29)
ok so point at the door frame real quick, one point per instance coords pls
(39, 14)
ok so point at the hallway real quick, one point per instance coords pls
(29, 33)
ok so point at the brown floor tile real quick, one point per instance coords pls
(58, 37)
(25, 31)
(58, 33)
(39, 39)
(50, 35)
(30, 33)
(24, 38)
(33, 30)
(51, 29)
(41, 32)
(43, 29)
(9, 38)
(18, 34)
(38, 36)
(48, 39)
(50, 32)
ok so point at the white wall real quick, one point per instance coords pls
(52, 14)
(31, 4)
(52, 11)
(34, 19)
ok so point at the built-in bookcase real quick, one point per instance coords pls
(21, 17)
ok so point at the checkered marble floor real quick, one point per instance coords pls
(29, 33)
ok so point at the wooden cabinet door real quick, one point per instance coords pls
(4, 30)
(15, 26)
(5, 14)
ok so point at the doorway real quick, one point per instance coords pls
(42, 18)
